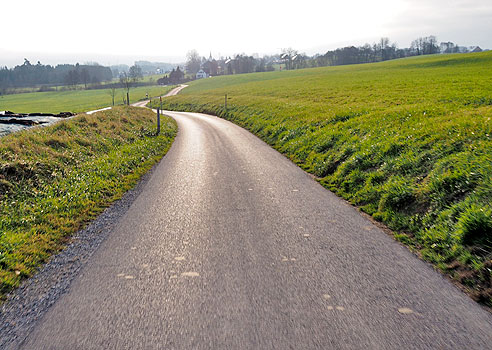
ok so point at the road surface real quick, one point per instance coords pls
(173, 92)
(231, 246)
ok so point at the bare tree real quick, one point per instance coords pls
(193, 62)
(112, 92)
(135, 73)
(127, 80)
(72, 78)
(84, 77)
(126, 84)
(287, 56)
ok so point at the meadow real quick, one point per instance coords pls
(407, 141)
(74, 100)
(55, 179)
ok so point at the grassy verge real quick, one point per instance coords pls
(407, 141)
(74, 101)
(53, 180)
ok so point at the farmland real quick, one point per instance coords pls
(407, 141)
(73, 100)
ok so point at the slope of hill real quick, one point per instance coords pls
(408, 141)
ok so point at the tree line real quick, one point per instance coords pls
(29, 75)
(288, 59)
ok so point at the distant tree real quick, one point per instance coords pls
(430, 45)
(126, 84)
(193, 62)
(417, 46)
(85, 77)
(135, 73)
(287, 55)
(112, 93)
(163, 81)
(176, 76)
(72, 78)
(128, 80)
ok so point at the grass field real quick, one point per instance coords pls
(53, 180)
(73, 101)
(407, 141)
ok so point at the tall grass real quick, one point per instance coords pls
(407, 141)
(54, 179)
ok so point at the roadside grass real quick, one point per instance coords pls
(407, 141)
(74, 100)
(53, 180)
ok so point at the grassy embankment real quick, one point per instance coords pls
(407, 141)
(73, 101)
(53, 180)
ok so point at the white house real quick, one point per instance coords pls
(201, 74)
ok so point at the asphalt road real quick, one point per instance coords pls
(231, 246)
(173, 92)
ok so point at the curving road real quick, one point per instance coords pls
(231, 246)
(173, 92)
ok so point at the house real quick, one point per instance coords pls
(201, 74)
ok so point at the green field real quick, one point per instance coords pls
(407, 141)
(73, 100)
(53, 180)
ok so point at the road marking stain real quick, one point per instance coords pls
(179, 258)
(129, 277)
(329, 307)
(405, 310)
(120, 275)
(173, 277)
(292, 259)
(295, 190)
(190, 274)
(340, 308)
(306, 235)
(368, 228)
(133, 248)
(250, 189)
(145, 266)
(326, 296)
(285, 259)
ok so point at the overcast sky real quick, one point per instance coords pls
(113, 32)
